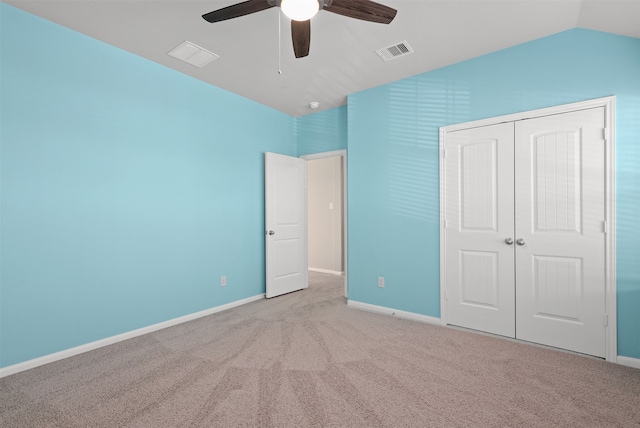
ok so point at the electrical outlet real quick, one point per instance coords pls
(223, 280)
(381, 281)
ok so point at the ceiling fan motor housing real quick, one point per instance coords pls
(321, 3)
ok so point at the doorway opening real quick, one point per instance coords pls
(327, 213)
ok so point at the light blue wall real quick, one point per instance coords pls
(324, 131)
(393, 160)
(127, 190)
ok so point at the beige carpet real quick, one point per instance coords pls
(306, 360)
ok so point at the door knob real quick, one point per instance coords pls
(508, 241)
(520, 241)
(271, 232)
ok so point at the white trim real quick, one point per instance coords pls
(629, 362)
(394, 312)
(609, 106)
(332, 272)
(323, 155)
(443, 260)
(548, 111)
(30, 364)
(345, 241)
(610, 238)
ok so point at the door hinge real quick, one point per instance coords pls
(444, 153)
(445, 294)
(444, 223)
(606, 320)
(605, 227)
(604, 134)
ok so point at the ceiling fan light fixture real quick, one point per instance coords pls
(300, 10)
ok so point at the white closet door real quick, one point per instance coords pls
(479, 218)
(560, 209)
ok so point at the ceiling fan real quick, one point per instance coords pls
(301, 12)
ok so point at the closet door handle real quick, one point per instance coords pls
(508, 241)
(520, 241)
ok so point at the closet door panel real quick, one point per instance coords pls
(560, 209)
(479, 217)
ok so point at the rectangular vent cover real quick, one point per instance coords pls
(395, 51)
(193, 54)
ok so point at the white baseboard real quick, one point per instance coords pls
(332, 272)
(16, 368)
(625, 361)
(394, 312)
(628, 361)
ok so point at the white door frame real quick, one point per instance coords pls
(610, 257)
(343, 154)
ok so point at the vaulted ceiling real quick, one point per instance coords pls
(254, 48)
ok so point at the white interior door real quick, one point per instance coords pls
(286, 224)
(479, 229)
(560, 213)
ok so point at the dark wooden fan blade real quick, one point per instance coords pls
(301, 36)
(237, 10)
(366, 10)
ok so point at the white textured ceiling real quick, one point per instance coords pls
(342, 58)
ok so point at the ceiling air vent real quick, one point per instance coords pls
(192, 54)
(394, 51)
